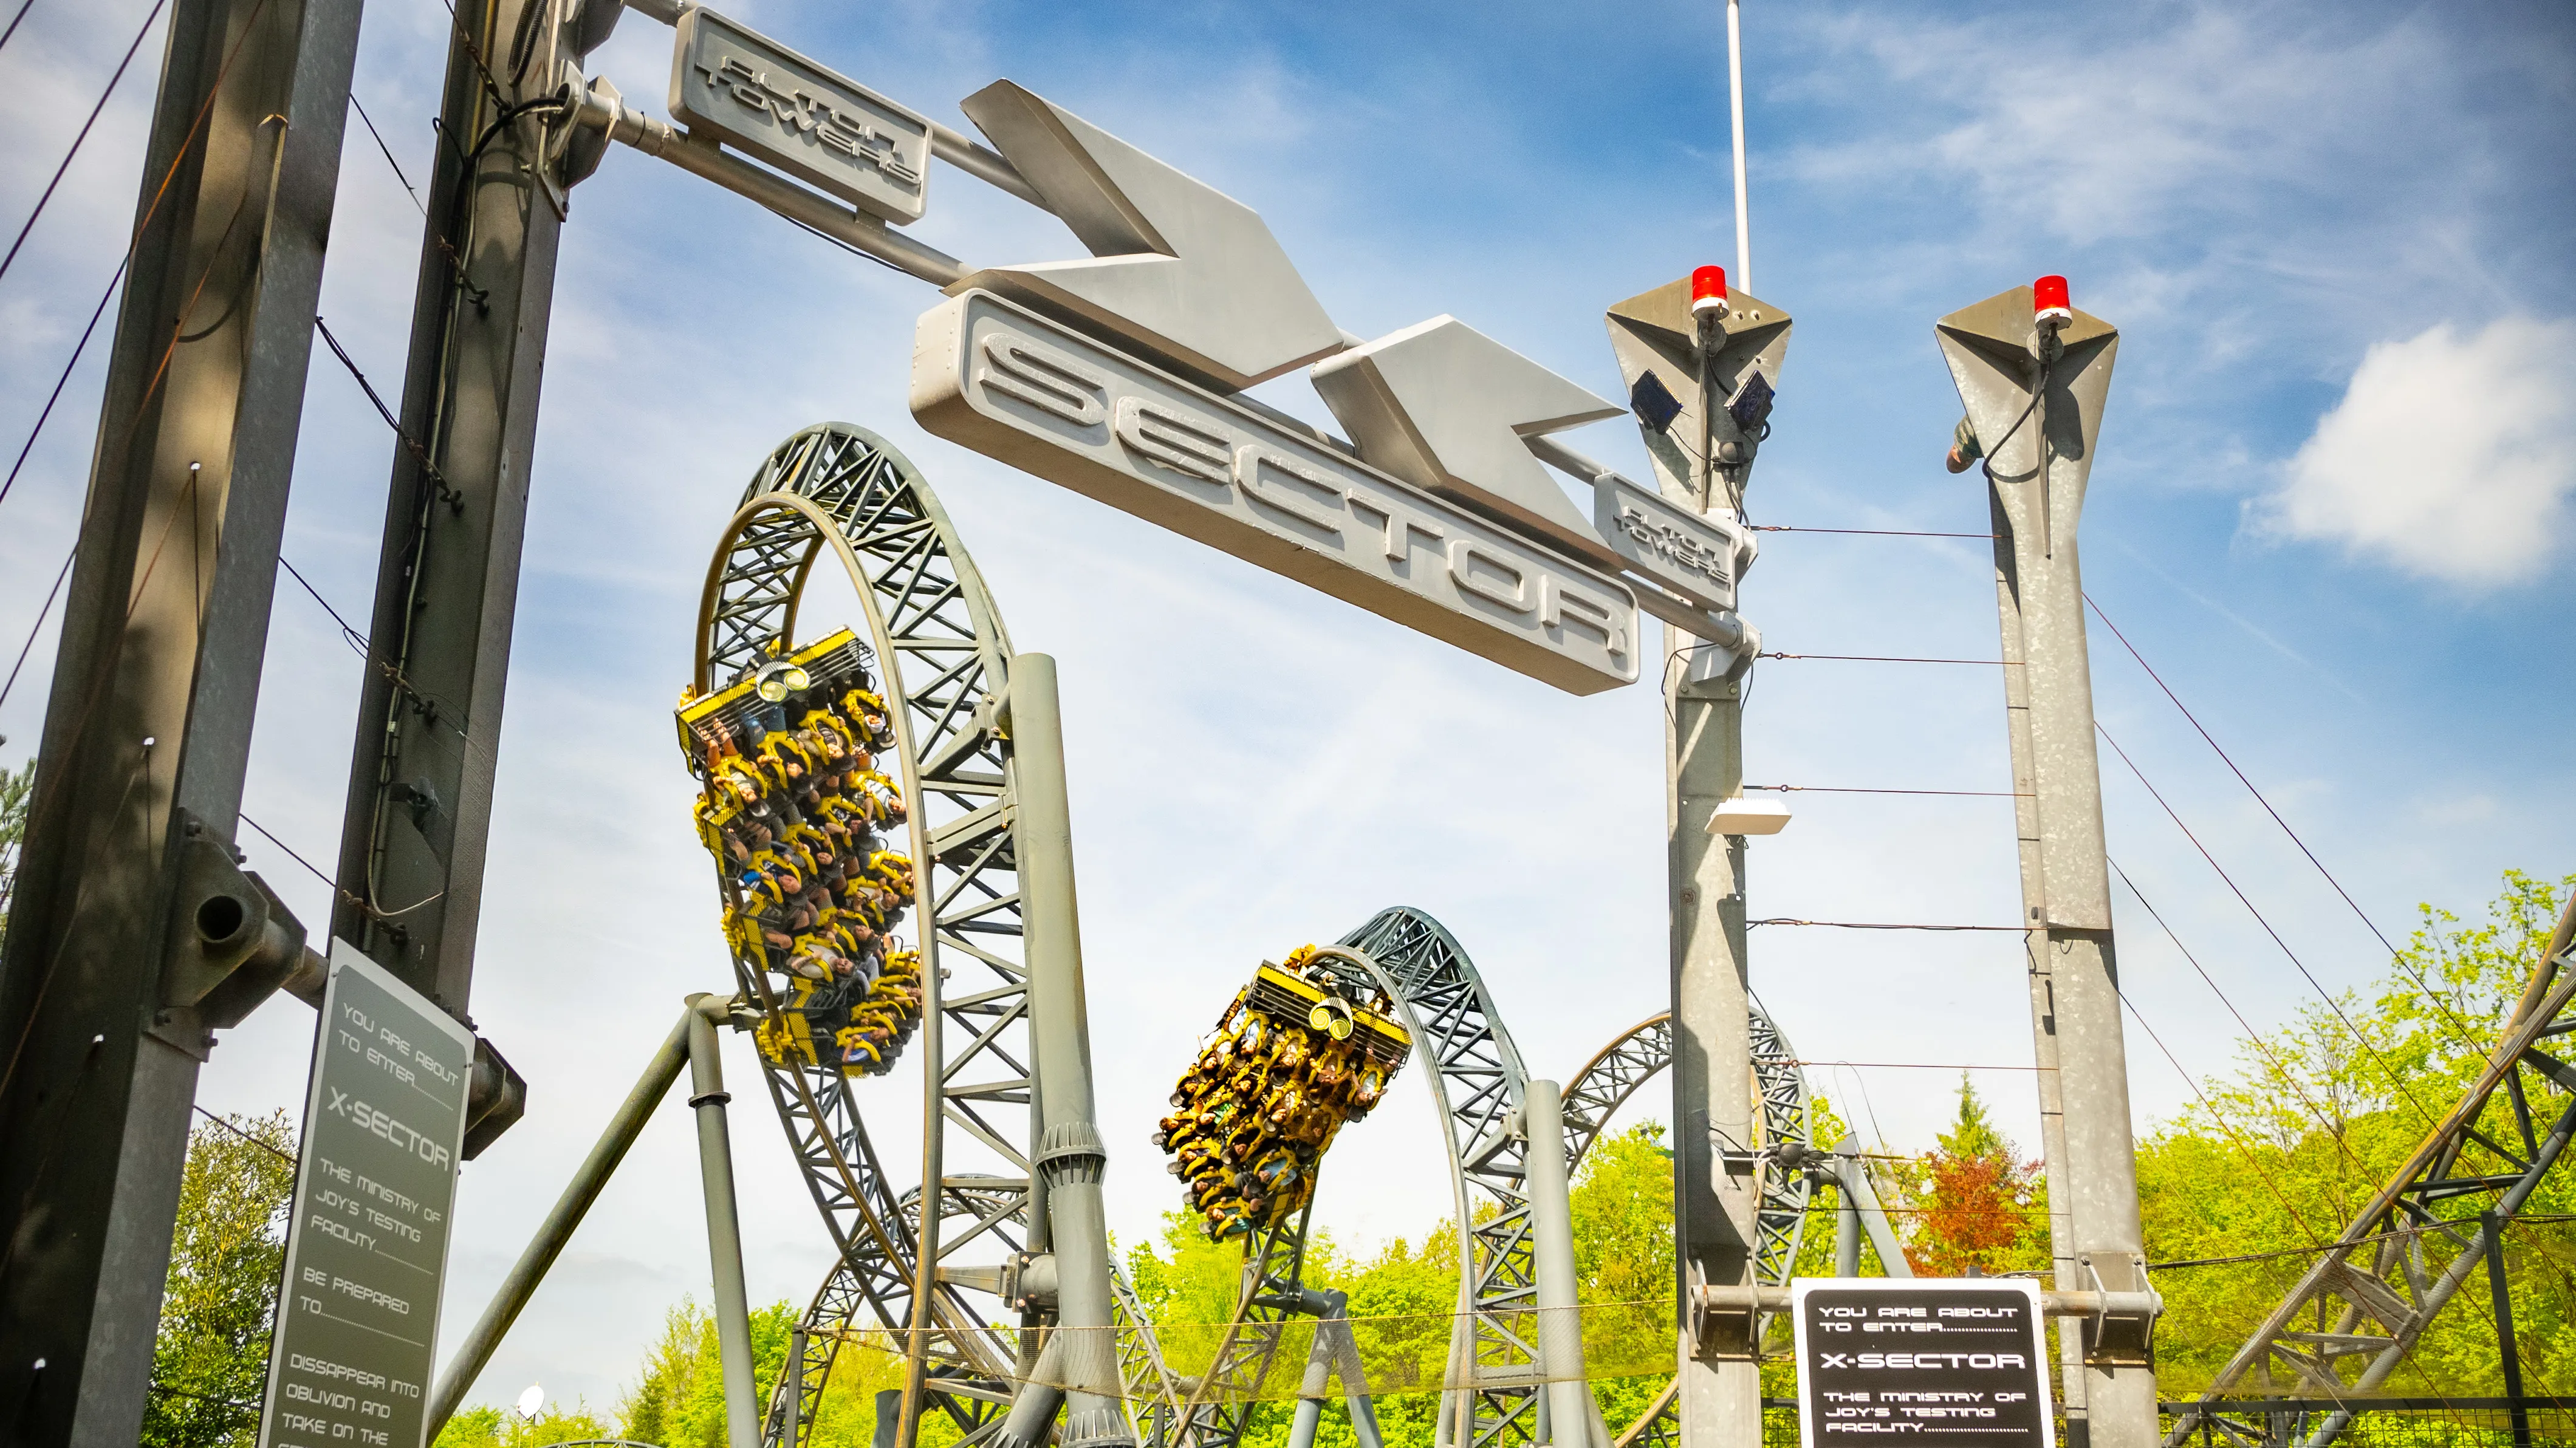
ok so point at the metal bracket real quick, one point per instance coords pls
(1725, 1323)
(2122, 1334)
(1028, 1281)
(229, 945)
(495, 1098)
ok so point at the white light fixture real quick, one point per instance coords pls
(1741, 816)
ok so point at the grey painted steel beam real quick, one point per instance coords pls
(1560, 1310)
(588, 1180)
(419, 809)
(154, 689)
(1070, 1159)
(707, 1099)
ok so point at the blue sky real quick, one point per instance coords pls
(2331, 507)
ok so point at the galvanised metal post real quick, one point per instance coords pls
(1697, 356)
(1560, 1309)
(155, 682)
(707, 1098)
(419, 807)
(2034, 374)
(1070, 1158)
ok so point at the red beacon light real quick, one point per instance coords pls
(2048, 304)
(1708, 291)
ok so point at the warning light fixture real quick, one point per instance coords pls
(1708, 290)
(2048, 303)
(1737, 815)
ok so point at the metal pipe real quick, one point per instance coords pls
(1318, 1381)
(1033, 1408)
(1769, 1299)
(1735, 103)
(1560, 1311)
(704, 158)
(983, 163)
(1873, 1217)
(1846, 1218)
(1070, 1159)
(557, 1229)
(724, 1228)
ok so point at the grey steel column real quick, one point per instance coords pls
(429, 720)
(1560, 1309)
(2500, 1299)
(1721, 1385)
(707, 1099)
(557, 1229)
(1070, 1158)
(155, 682)
(2038, 393)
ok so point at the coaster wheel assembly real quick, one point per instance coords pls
(936, 1279)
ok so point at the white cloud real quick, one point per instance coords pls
(2451, 455)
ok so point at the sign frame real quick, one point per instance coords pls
(1897, 1313)
(375, 1034)
(800, 116)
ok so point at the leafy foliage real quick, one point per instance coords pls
(16, 785)
(218, 1306)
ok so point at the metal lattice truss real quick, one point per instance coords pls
(1613, 1075)
(2350, 1321)
(1477, 1079)
(931, 1279)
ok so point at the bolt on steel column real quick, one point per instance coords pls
(2033, 374)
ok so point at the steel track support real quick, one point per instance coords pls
(588, 1180)
(1560, 1311)
(1070, 1158)
(139, 774)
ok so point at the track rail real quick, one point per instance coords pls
(940, 653)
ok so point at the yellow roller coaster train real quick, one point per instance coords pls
(1299, 1052)
(792, 807)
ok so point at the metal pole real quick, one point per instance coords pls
(418, 814)
(1846, 1212)
(1863, 1195)
(1735, 101)
(2096, 1233)
(1560, 1310)
(557, 1229)
(707, 1098)
(2500, 1289)
(1070, 1157)
(155, 681)
(1714, 1211)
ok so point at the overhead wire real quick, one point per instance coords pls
(68, 156)
(2395, 1080)
(1894, 659)
(13, 22)
(1854, 789)
(1862, 532)
(370, 123)
(2458, 1025)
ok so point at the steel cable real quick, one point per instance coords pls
(94, 111)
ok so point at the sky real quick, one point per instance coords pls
(2331, 508)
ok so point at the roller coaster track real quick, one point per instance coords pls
(1613, 1075)
(1476, 1078)
(929, 1280)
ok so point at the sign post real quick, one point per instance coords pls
(1963, 1359)
(366, 1251)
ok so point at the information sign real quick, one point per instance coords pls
(1032, 393)
(366, 1249)
(1959, 1361)
(760, 97)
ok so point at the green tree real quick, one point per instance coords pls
(219, 1303)
(490, 1427)
(2320, 1113)
(15, 787)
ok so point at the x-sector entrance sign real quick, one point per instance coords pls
(1014, 386)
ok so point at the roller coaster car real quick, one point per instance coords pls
(828, 669)
(1281, 996)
